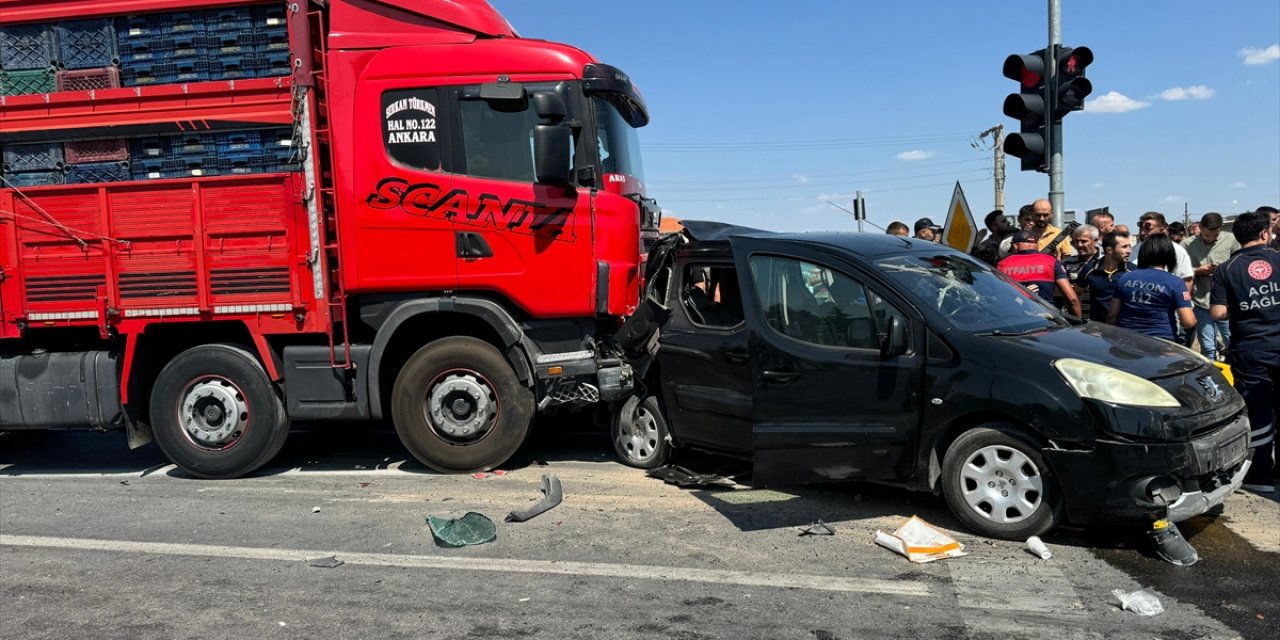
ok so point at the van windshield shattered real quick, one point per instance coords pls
(969, 294)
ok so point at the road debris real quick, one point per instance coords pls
(471, 529)
(818, 528)
(315, 509)
(1037, 547)
(327, 562)
(684, 477)
(1142, 603)
(479, 475)
(553, 494)
(920, 542)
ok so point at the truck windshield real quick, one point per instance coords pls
(969, 294)
(619, 144)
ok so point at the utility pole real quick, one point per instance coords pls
(1055, 126)
(996, 132)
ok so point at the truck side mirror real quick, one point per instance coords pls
(551, 139)
(895, 340)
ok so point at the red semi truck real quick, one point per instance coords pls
(456, 236)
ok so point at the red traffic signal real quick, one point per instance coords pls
(1070, 86)
(1027, 69)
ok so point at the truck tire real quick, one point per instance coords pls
(216, 414)
(458, 406)
(997, 484)
(639, 433)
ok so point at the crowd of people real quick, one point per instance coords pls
(1195, 284)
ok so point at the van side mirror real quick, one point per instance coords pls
(895, 340)
(551, 139)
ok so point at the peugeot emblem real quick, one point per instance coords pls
(1211, 388)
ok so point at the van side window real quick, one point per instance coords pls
(410, 128)
(711, 296)
(818, 305)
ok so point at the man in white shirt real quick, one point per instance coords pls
(1153, 223)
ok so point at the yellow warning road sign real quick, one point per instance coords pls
(960, 231)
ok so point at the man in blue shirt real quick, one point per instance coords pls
(1100, 274)
(1246, 293)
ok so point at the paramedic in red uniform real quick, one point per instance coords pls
(1037, 271)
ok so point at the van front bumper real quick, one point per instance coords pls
(1132, 482)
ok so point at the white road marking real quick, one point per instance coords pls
(624, 571)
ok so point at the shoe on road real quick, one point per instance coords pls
(1171, 546)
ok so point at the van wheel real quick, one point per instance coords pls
(997, 484)
(639, 433)
(458, 406)
(216, 414)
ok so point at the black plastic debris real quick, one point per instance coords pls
(471, 529)
(818, 528)
(553, 495)
(327, 562)
(684, 477)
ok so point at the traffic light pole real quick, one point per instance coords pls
(1055, 124)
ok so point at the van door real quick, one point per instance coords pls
(828, 405)
(705, 364)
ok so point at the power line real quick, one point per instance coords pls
(796, 145)
(805, 199)
(819, 176)
(810, 185)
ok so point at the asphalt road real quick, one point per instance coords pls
(100, 542)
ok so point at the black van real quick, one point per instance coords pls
(822, 357)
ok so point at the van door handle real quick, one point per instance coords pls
(781, 377)
(737, 356)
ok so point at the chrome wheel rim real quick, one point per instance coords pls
(1001, 484)
(638, 439)
(461, 406)
(213, 412)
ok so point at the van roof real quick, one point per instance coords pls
(861, 244)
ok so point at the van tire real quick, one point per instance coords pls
(639, 433)
(458, 406)
(216, 414)
(996, 482)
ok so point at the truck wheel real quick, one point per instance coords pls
(997, 484)
(640, 433)
(458, 406)
(216, 414)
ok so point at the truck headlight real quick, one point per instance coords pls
(1092, 380)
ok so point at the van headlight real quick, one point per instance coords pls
(1092, 380)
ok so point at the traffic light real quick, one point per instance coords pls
(1029, 108)
(1070, 87)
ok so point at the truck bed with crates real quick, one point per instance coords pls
(138, 180)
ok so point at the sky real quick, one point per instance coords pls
(762, 112)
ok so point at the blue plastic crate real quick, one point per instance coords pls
(271, 16)
(276, 139)
(32, 179)
(228, 19)
(98, 172)
(149, 168)
(196, 166)
(45, 156)
(145, 50)
(231, 66)
(167, 71)
(27, 46)
(160, 24)
(85, 44)
(273, 63)
(148, 148)
(239, 141)
(193, 144)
